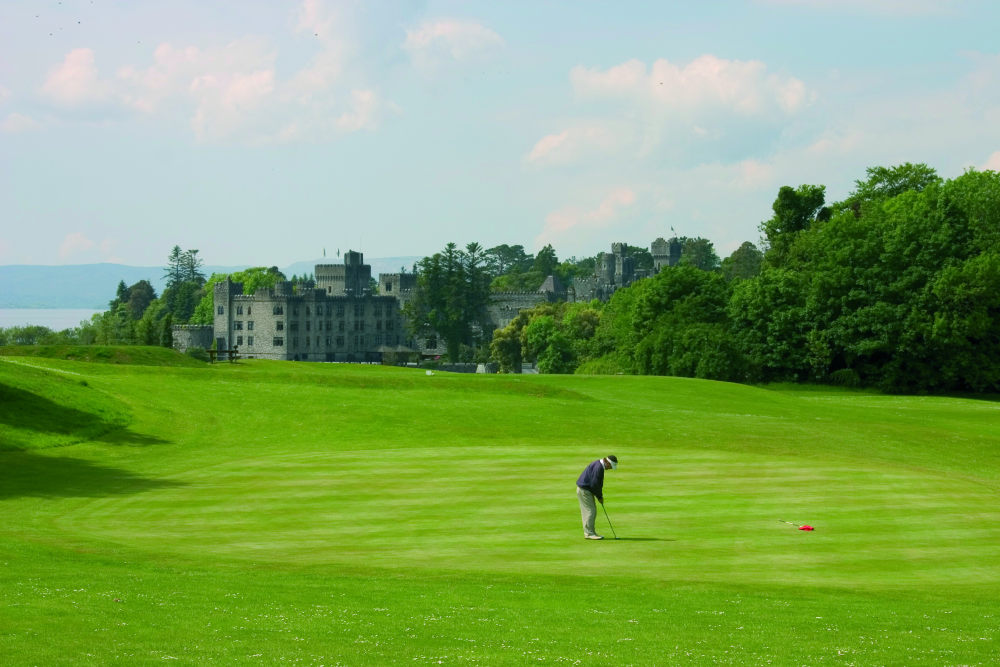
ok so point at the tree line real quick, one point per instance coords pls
(895, 287)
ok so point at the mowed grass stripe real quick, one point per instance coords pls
(398, 508)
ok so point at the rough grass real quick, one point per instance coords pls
(266, 512)
(109, 354)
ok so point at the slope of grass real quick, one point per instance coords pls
(109, 354)
(40, 408)
(264, 512)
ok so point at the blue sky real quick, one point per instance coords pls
(263, 132)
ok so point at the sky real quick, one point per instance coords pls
(269, 132)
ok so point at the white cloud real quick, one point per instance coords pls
(77, 247)
(574, 221)
(705, 110)
(572, 144)
(993, 163)
(362, 114)
(236, 92)
(75, 244)
(434, 43)
(706, 83)
(15, 123)
(75, 81)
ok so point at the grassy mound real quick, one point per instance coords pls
(364, 515)
(42, 408)
(107, 354)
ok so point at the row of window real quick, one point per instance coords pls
(359, 310)
(359, 341)
(359, 325)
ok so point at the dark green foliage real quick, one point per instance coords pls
(744, 263)
(451, 297)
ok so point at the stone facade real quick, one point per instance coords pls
(317, 324)
(187, 336)
(341, 319)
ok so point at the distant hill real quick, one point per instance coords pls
(94, 285)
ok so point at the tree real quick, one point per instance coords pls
(794, 212)
(191, 268)
(174, 273)
(545, 261)
(744, 263)
(451, 297)
(140, 296)
(505, 258)
(699, 253)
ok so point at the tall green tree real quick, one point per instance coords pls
(795, 210)
(451, 297)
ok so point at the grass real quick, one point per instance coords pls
(267, 512)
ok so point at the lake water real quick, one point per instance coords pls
(56, 319)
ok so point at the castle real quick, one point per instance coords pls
(341, 319)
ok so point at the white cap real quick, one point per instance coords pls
(613, 460)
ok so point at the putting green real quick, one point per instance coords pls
(272, 489)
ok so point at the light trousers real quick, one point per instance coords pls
(588, 510)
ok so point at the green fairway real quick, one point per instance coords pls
(272, 512)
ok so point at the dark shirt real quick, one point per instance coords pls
(592, 479)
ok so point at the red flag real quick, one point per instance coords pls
(806, 528)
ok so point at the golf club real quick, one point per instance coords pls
(609, 521)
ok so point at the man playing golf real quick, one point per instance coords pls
(590, 486)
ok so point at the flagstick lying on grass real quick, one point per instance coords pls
(803, 527)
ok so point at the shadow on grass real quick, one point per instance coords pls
(27, 410)
(23, 474)
(642, 539)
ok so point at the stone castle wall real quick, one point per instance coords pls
(187, 336)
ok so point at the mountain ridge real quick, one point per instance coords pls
(94, 285)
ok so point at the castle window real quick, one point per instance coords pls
(329, 290)
(329, 325)
(292, 326)
(249, 310)
(378, 325)
(378, 339)
(250, 341)
(317, 341)
(340, 325)
(307, 341)
(249, 325)
(239, 310)
(279, 325)
(308, 325)
(327, 341)
(307, 311)
(238, 325)
(388, 286)
(278, 310)
(431, 343)
(359, 310)
(239, 340)
(340, 341)
(340, 310)
(278, 342)
(221, 310)
(388, 325)
(378, 310)
(319, 310)
(295, 310)
(362, 325)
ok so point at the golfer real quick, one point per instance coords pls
(590, 486)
